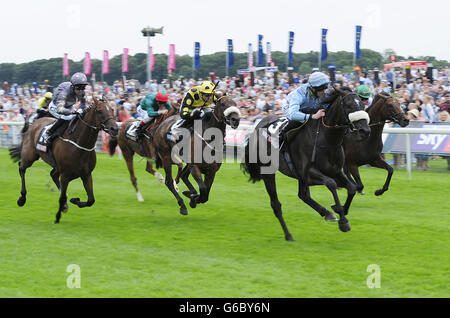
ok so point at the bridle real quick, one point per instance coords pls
(392, 115)
(349, 124)
(102, 125)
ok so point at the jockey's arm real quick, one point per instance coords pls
(60, 105)
(168, 105)
(186, 106)
(151, 111)
(293, 112)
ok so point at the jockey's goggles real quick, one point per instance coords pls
(80, 87)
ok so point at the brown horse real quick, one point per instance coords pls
(384, 107)
(145, 149)
(73, 154)
(225, 113)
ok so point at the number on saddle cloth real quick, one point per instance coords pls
(131, 131)
(42, 142)
(272, 133)
(174, 133)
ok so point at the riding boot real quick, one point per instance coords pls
(140, 131)
(51, 132)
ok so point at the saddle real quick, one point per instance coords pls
(172, 134)
(281, 131)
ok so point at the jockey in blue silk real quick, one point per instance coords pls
(68, 99)
(305, 102)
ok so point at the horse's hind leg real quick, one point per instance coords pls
(24, 164)
(149, 169)
(305, 195)
(87, 183)
(128, 156)
(269, 182)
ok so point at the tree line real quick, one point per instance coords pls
(51, 69)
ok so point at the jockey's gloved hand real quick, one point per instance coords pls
(196, 113)
(206, 112)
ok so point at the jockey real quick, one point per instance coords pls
(150, 108)
(42, 105)
(195, 106)
(305, 102)
(67, 101)
(365, 94)
(197, 99)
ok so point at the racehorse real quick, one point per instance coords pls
(145, 149)
(225, 113)
(357, 153)
(72, 155)
(316, 156)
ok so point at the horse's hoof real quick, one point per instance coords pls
(183, 211)
(344, 226)
(193, 202)
(75, 201)
(187, 193)
(379, 192)
(56, 222)
(65, 208)
(361, 192)
(21, 201)
(330, 217)
(289, 238)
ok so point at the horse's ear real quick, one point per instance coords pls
(94, 99)
(219, 93)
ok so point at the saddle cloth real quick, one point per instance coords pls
(131, 131)
(42, 144)
(272, 133)
(173, 134)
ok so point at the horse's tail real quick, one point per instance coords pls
(15, 152)
(112, 145)
(253, 169)
(25, 126)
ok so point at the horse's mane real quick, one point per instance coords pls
(377, 98)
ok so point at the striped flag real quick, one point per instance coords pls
(171, 62)
(87, 65)
(66, 70)
(105, 64)
(125, 61)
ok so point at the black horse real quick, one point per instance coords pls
(316, 156)
(384, 107)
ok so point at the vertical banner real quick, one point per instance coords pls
(230, 53)
(291, 44)
(171, 62)
(125, 61)
(260, 51)
(250, 56)
(152, 59)
(87, 65)
(196, 54)
(268, 53)
(323, 50)
(66, 70)
(358, 39)
(105, 64)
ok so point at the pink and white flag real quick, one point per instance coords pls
(105, 65)
(250, 56)
(171, 64)
(152, 59)
(66, 70)
(125, 61)
(87, 63)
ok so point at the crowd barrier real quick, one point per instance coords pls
(417, 138)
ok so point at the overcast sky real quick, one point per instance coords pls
(49, 28)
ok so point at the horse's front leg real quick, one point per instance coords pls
(317, 177)
(305, 195)
(380, 163)
(87, 183)
(62, 197)
(203, 197)
(344, 181)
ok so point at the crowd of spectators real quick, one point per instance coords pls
(422, 98)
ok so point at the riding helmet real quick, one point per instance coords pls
(162, 97)
(364, 91)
